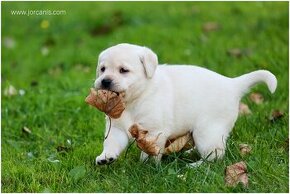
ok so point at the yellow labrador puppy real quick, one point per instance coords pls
(171, 100)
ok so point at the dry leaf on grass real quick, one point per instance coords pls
(235, 52)
(245, 149)
(276, 114)
(244, 109)
(210, 26)
(238, 53)
(236, 173)
(257, 98)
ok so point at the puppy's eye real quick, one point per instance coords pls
(103, 69)
(123, 70)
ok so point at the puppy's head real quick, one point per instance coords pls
(125, 68)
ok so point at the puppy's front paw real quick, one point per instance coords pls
(105, 159)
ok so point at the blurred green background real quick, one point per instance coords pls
(50, 137)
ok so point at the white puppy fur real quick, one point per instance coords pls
(171, 100)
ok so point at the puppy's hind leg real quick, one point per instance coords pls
(210, 141)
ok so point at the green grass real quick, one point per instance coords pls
(55, 112)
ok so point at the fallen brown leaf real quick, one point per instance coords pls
(257, 98)
(244, 109)
(245, 149)
(236, 173)
(237, 52)
(210, 26)
(276, 114)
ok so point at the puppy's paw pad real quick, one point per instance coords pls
(100, 160)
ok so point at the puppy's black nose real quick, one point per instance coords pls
(106, 83)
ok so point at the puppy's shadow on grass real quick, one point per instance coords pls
(180, 159)
(183, 157)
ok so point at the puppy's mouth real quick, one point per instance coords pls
(115, 92)
(118, 92)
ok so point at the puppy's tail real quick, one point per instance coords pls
(245, 82)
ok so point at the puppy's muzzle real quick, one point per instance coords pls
(106, 83)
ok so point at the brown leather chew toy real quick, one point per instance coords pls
(147, 143)
(111, 103)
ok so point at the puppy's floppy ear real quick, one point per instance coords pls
(149, 60)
